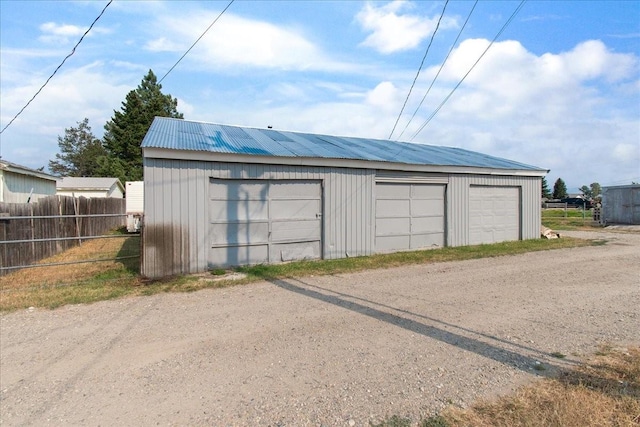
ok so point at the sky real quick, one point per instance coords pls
(558, 89)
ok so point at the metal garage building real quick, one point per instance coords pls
(218, 195)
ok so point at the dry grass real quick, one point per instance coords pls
(52, 286)
(605, 391)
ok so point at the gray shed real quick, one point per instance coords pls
(218, 195)
(20, 184)
(621, 204)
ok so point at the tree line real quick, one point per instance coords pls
(118, 153)
(590, 192)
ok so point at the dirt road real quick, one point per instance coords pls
(336, 350)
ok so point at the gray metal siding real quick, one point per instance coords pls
(17, 187)
(177, 212)
(458, 204)
(621, 205)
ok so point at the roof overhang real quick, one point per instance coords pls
(23, 170)
(207, 156)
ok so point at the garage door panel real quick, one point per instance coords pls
(294, 209)
(432, 192)
(393, 208)
(392, 191)
(433, 224)
(239, 255)
(392, 243)
(232, 210)
(422, 207)
(293, 190)
(239, 233)
(409, 216)
(283, 252)
(295, 230)
(238, 190)
(427, 240)
(494, 214)
(391, 226)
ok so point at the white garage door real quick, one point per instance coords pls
(259, 221)
(494, 214)
(409, 216)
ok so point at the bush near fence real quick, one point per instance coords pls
(53, 217)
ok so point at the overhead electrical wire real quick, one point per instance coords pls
(453, 45)
(506, 24)
(419, 69)
(195, 42)
(57, 68)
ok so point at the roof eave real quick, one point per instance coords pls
(173, 154)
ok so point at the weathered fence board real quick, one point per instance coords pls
(51, 218)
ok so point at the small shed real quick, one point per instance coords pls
(218, 195)
(90, 187)
(621, 204)
(20, 184)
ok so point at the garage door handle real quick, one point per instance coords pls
(318, 215)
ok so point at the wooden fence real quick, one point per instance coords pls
(30, 232)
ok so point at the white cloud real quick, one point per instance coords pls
(385, 95)
(54, 33)
(236, 41)
(393, 31)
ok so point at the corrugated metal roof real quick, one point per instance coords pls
(180, 134)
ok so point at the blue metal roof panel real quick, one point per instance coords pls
(195, 136)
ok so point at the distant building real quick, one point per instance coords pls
(621, 204)
(90, 187)
(20, 184)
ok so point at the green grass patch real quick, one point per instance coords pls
(52, 287)
(569, 219)
(346, 265)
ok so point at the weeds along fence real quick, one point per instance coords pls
(30, 232)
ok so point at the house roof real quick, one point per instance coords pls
(82, 183)
(178, 134)
(23, 170)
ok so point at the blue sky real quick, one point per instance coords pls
(560, 88)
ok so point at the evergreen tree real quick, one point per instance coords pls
(126, 129)
(79, 151)
(545, 189)
(559, 189)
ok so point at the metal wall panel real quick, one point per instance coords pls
(17, 187)
(621, 204)
(458, 207)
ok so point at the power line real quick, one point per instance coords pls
(195, 42)
(426, 122)
(441, 67)
(58, 67)
(419, 69)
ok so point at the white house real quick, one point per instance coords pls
(90, 187)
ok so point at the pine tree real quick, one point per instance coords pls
(126, 129)
(559, 189)
(545, 189)
(79, 152)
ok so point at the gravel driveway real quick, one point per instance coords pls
(339, 350)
